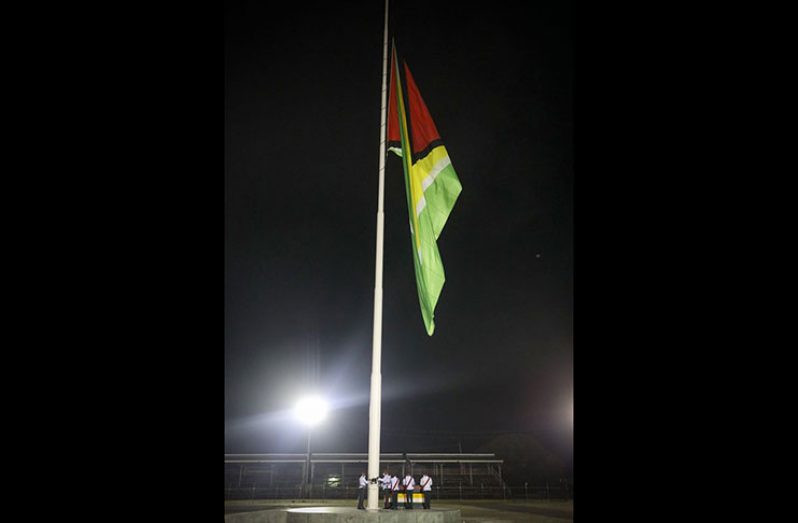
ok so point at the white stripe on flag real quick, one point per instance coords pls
(430, 179)
(437, 168)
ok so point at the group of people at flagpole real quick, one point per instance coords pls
(391, 487)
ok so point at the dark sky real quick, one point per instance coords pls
(302, 94)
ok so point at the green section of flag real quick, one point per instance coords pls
(430, 276)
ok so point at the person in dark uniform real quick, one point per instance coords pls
(385, 484)
(408, 485)
(394, 492)
(361, 490)
(426, 489)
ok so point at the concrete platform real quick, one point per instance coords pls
(345, 515)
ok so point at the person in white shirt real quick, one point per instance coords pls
(394, 492)
(361, 490)
(426, 489)
(409, 485)
(385, 483)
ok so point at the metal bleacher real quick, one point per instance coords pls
(335, 476)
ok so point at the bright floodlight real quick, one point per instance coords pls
(311, 410)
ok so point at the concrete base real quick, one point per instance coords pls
(345, 515)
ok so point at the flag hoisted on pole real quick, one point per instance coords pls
(431, 184)
(432, 188)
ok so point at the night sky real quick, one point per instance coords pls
(301, 130)
(196, 233)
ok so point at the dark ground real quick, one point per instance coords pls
(476, 511)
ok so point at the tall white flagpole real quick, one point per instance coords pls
(376, 354)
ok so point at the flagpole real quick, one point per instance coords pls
(376, 354)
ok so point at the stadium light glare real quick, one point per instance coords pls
(311, 410)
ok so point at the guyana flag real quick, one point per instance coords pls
(430, 182)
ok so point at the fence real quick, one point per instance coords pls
(335, 476)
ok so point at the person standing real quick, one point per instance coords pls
(385, 483)
(361, 490)
(426, 489)
(408, 485)
(394, 492)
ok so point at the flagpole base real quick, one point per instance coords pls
(346, 515)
